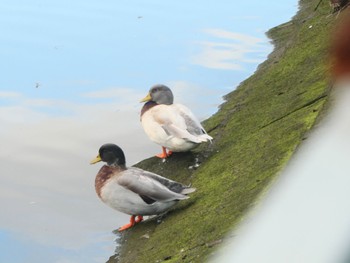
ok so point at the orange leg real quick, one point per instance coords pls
(138, 219)
(132, 223)
(164, 154)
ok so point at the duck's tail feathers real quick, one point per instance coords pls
(205, 137)
(187, 191)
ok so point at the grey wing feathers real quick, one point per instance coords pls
(170, 184)
(193, 125)
(151, 185)
(179, 133)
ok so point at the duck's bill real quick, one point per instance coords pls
(96, 160)
(147, 98)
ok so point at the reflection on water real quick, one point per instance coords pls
(73, 74)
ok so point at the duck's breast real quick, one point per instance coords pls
(152, 121)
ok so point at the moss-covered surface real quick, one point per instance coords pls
(256, 132)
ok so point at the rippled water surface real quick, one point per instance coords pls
(72, 75)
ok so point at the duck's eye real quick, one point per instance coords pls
(154, 90)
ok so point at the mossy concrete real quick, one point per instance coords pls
(256, 132)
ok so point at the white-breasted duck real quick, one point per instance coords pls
(172, 126)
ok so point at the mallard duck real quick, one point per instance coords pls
(172, 126)
(132, 190)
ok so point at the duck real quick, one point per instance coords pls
(134, 191)
(173, 126)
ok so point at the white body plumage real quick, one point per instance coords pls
(174, 127)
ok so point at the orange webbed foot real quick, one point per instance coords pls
(164, 153)
(131, 224)
(124, 227)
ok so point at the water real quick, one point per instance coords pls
(72, 76)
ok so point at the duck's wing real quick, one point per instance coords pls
(170, 184)
(187, 127)
(173, 130)
(150, 186)
(192, 123)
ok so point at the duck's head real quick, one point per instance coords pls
(159, 94)
(111, 154)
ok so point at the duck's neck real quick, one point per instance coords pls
(120, 167)
(147, 106)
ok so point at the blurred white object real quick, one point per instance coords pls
(306, 218)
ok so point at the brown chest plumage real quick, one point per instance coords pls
(147, 106)
(106, 172)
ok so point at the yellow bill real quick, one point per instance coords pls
(96, 160)
(147, 98)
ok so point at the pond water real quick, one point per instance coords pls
(73, 73)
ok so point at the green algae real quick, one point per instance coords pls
(256, 132)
